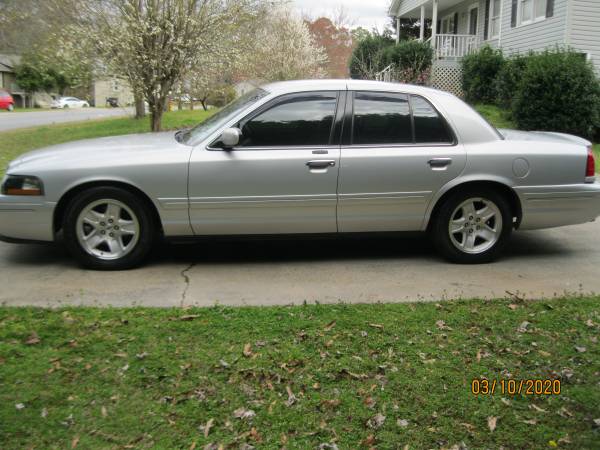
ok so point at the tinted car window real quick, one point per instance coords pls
(296, 120)
(381, 118)
(429, 126)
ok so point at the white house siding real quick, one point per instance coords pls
(583, 28)
(408, 5)
(537, 36)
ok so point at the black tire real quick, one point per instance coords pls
(139, 251)
(440, 228)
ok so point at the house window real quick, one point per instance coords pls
(531, 11)
(448, 24)
(494, 25)
(115, 85)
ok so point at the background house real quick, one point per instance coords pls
(111, 87)
(517, 26)
(7, 78)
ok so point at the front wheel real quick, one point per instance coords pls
(108, 228)
(11, 107)
(472, 226)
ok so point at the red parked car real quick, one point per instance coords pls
(6, 101)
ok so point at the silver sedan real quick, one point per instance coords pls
(305, 157)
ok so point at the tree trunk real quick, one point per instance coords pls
(179, 104)
(203, 101)
(157, 108)
(140, 107)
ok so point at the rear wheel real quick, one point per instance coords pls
(108, 228)
(472, 226)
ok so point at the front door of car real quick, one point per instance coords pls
(396, 154)
(281, 178)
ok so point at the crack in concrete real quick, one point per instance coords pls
(186, 280)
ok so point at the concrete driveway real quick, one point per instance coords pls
(14, 120)
(538, 264)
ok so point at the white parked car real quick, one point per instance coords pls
(69, 102)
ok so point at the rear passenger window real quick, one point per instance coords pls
(381, 119)
(429, 126)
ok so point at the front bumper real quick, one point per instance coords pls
(23, 218)
(555, 206)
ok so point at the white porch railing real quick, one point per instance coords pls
(386, 74)
(453, 46)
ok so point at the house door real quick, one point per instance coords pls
(473, 17)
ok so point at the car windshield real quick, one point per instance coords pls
(202, 130)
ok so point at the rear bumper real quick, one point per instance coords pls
(555, 206)
(26, 219)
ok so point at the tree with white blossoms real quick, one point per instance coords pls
(285, 49)
(154, 43)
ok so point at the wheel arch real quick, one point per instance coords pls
(72, 192)
(499, 186)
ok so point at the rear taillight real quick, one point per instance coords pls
(590, 168)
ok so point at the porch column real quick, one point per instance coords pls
(434, 23)
(397, 29)
(422, 27)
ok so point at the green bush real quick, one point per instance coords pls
(479, 73)
(508, 80)
(368, 57)
(558, 91)
(411, 59)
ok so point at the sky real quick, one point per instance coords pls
(364, 13)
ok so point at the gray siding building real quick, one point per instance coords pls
(517, 26)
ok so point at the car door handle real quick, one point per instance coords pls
(320, 163)
(439, 163)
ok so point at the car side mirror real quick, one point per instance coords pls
(231, 137)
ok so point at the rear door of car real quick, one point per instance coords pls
(281, 178)
(397, 152)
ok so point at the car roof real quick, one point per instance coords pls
(282, 87)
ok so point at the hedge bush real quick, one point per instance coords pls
(508, 80)
(479, 73)
(558, 91)
(412, 60)
(368, 56)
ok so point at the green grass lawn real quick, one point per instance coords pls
(14, 143)
(359, 376)
(495, 115)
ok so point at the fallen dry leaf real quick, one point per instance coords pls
(523, 327)
(247, 350)
(208, 426)
(402, 423)
(580, 349)
(442, 325)
(74, 442)
(103, 411)
(492, 422)
(376, 421)
(329, 326)
(20, 406)
(188, 317)
(193, 446)
(376, 325)
(513, 306)
(243, 413)
(537, 408)
(530, 422)
(291, 397)
(331, 403)
(33, 339)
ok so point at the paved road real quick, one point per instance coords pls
(538, 264)
(11, 121)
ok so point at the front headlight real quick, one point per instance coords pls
(22, 185)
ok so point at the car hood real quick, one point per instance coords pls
(518, 135)
(89, 151)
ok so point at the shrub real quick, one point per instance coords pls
(479, 72)
(508, 80)
(368, 56)
(412, 60)
(558, 91)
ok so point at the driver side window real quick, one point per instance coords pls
(303, 119)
